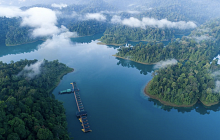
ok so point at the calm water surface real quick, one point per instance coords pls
(112, 93)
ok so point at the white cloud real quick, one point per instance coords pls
(133, 12)
(59, 41)
(116, 19)
(63, 15)
(110, 12)
(10, 12)
(61, 5)
(164, 64)
(32, 70)
(216, 75)
(217, 86)
(134, 22)
(42, 20)
(95, 16)
(131, 5)
(201, 38)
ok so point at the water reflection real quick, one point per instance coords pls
(198, 107)
(144, 69)
(31, 47)
(112, 46)
(25, 48)
(87, 39)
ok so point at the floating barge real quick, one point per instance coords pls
(81, 113)
(68, 91)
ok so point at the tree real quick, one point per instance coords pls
(44, 134)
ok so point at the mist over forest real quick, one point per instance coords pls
(178, 39)
(98, 16)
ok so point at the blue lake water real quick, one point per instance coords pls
(112, 93)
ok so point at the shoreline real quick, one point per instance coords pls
(208, 105)
(114, 44)
(172, 104)
(102, 43)
(134, 61)
(24, 43)
(59, 78)
(164, 102)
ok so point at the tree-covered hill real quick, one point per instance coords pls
(121, 34)
(192, 78)
(28, 109)
(13, 34)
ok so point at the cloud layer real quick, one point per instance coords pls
(216, 75)
(95, 16)
(57, 41)
(217, 86)
(164, 64)
(10, 12)
(163, 23)
(32, 70)
(201, 38)
(61, 5)
(42, 20)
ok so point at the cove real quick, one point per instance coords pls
(111, 90)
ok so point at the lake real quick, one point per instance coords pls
(111, 90)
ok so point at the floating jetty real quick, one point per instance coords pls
(81, 113)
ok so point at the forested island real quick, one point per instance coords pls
(193, 78)
(28, 108)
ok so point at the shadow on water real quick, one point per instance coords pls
(24, 48)
(144, 69)
(198, 107)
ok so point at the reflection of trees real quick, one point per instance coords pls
(87, 39)
(144, 69)
(112, 46)
(198, 107)
(25, 48)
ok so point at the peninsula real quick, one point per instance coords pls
(27, 98)
(192, 77)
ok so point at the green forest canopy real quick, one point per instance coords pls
(191, 79)
(28, 110)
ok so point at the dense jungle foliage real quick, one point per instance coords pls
(11, 33)
(186, 84)
(122, 34)
(85, 28)
(191, 79)
(28, 110)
